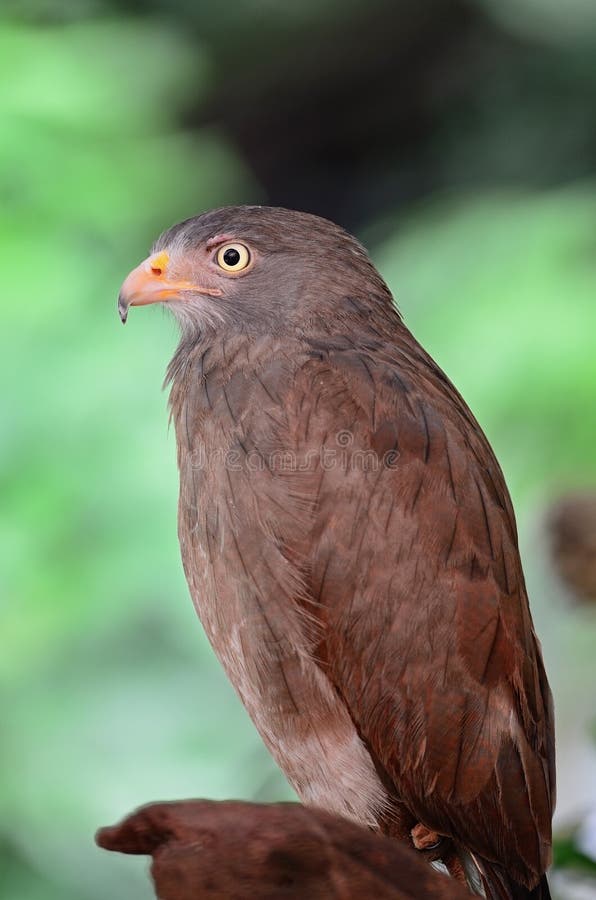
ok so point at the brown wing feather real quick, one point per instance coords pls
(415, 569)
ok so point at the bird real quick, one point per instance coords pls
(218, 850)
(350, 545)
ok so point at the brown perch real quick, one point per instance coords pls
(215, 850)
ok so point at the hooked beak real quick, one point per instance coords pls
(148, 283)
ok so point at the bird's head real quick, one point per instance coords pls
(255, 268)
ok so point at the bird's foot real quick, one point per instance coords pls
(423, 838)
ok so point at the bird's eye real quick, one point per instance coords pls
(233, 257)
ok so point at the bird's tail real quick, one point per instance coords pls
(499, 885)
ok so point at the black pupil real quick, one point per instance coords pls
(231, 257)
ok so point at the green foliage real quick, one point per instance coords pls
(567, 856)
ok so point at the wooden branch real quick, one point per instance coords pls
(215, 850)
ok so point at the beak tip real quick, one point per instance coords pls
(122, 309)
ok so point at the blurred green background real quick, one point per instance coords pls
(458, 140)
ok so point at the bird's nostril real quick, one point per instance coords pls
(157, 263)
